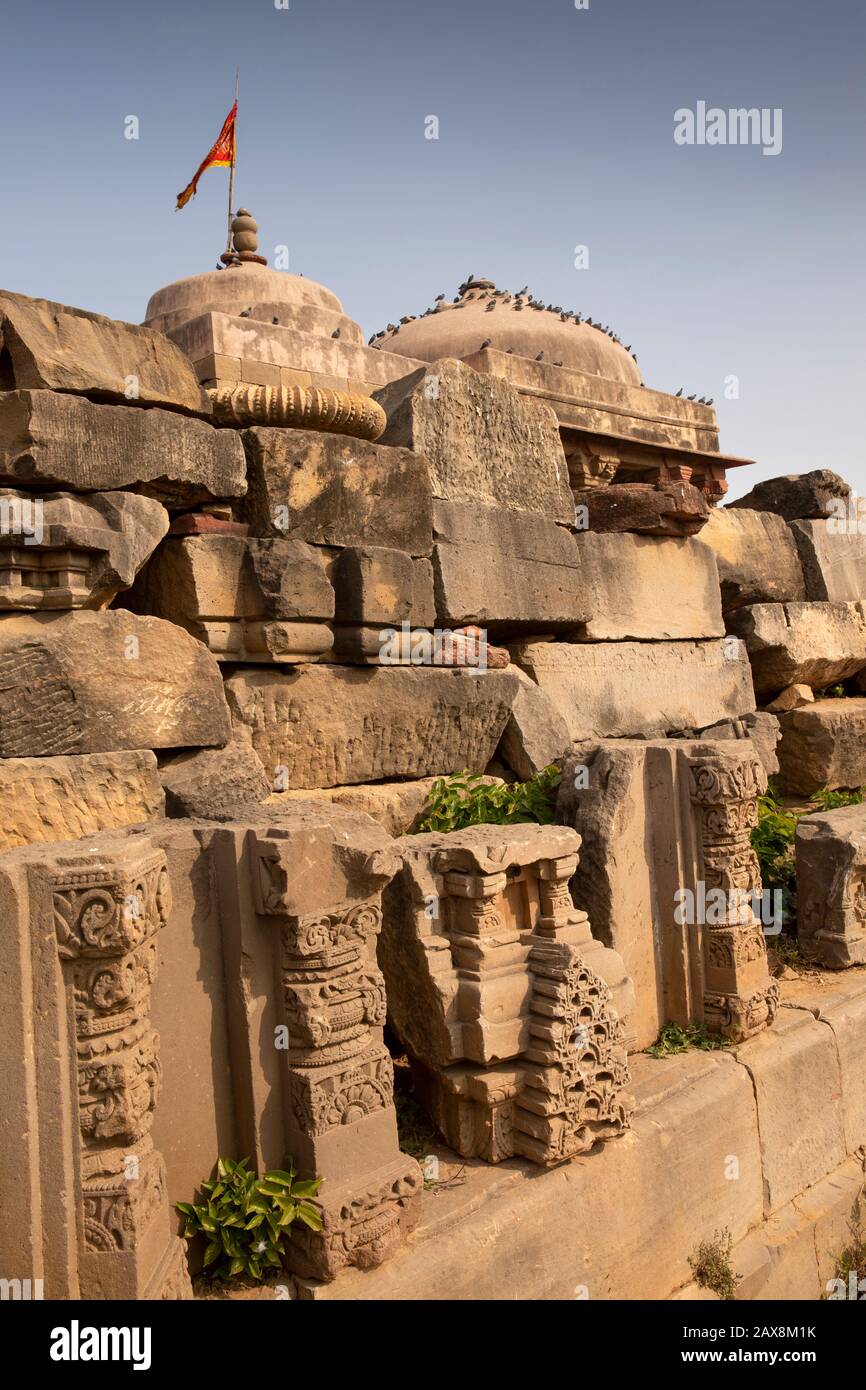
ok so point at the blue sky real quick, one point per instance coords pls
(555, 130)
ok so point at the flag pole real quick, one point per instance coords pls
(232, 165)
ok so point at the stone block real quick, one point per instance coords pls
(639, 689)
(328, 726)
(331, 490)
(792, 697)
(60, 550)
(798, 496)
(833, 557)
(247, 599)
(757, 558)
(396, 806)
(794, 1067)
(213, 783)
(499, 993)
(59, 348)
(661, 824)
(51, 799)
(815, 644)
(66, 441)
(823, 745)
(536, 734)
(99, 682)
(481, 441)
(512, 572)
(660, 509)
(760, 728)
(830, 849)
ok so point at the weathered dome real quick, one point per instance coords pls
(516, 322)
(256, 292)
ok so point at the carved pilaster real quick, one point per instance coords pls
(107, 913)
(740, 998)
(338, 1074)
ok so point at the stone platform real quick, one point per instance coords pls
(627, 1216)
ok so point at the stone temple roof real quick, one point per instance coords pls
(483, 316)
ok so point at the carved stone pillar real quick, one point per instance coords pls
(338, 1108)
(740, 998)
(107, 910)
(493, 984)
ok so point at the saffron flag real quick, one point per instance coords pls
(222, 156)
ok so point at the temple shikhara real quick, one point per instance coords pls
(419, 783)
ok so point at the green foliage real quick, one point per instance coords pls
(853, 1258)
(675, 1037)
(466, 799)
(245, 1220)
(711, 1265)
(773, 843)
(829, 801)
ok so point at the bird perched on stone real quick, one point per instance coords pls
(509, 351)
(391, 328)
(438, 298)
(539, 356)
(557, 364)
(525, 290)
(491, 305)
(245, 313)
(701, 400)
(689, 398)
(680, 392)
(710, 401)
(275, 319)
(488, 342)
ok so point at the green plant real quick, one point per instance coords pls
(830, 800)
(677, 1037)
(711, 1265)
(467, 799)
(773, 842)
(245, 1219)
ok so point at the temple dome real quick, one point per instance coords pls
(460, 329)
(256, 292)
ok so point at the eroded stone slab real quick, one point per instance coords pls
(324, 726)
(536, 733)
(629, 689)
(815, 644)
(649, 509)
(64, 798)
(214, 783)
(330, 490)
(52, 440)
(833, 557)
(57, 347)
(98, 682)
(823, 745)
(482, 442)
(797, 496)
(66, 551)
(756, 556)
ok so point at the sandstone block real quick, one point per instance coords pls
(66, 798)
(536, 733)
(247, 599)
(760, 728)
(66, 441)
(815, 644)
(831, 885)
(795, 1070)
(511, 571)
(660, 509)
(99, 682)
(396, 806)
(482, 442)
(64, 551)
(798, 496)
(833, 559)
(823, 745)
(792, 697)
(485, 990)
(57, 347)
(629, 689)
(757, 558)
(214, 783)
(327, 726)
(331, 490)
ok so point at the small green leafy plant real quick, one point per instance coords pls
(711, 1265)
(245, 1219)
(831, 800)
(467, 799)
(676, 1037)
